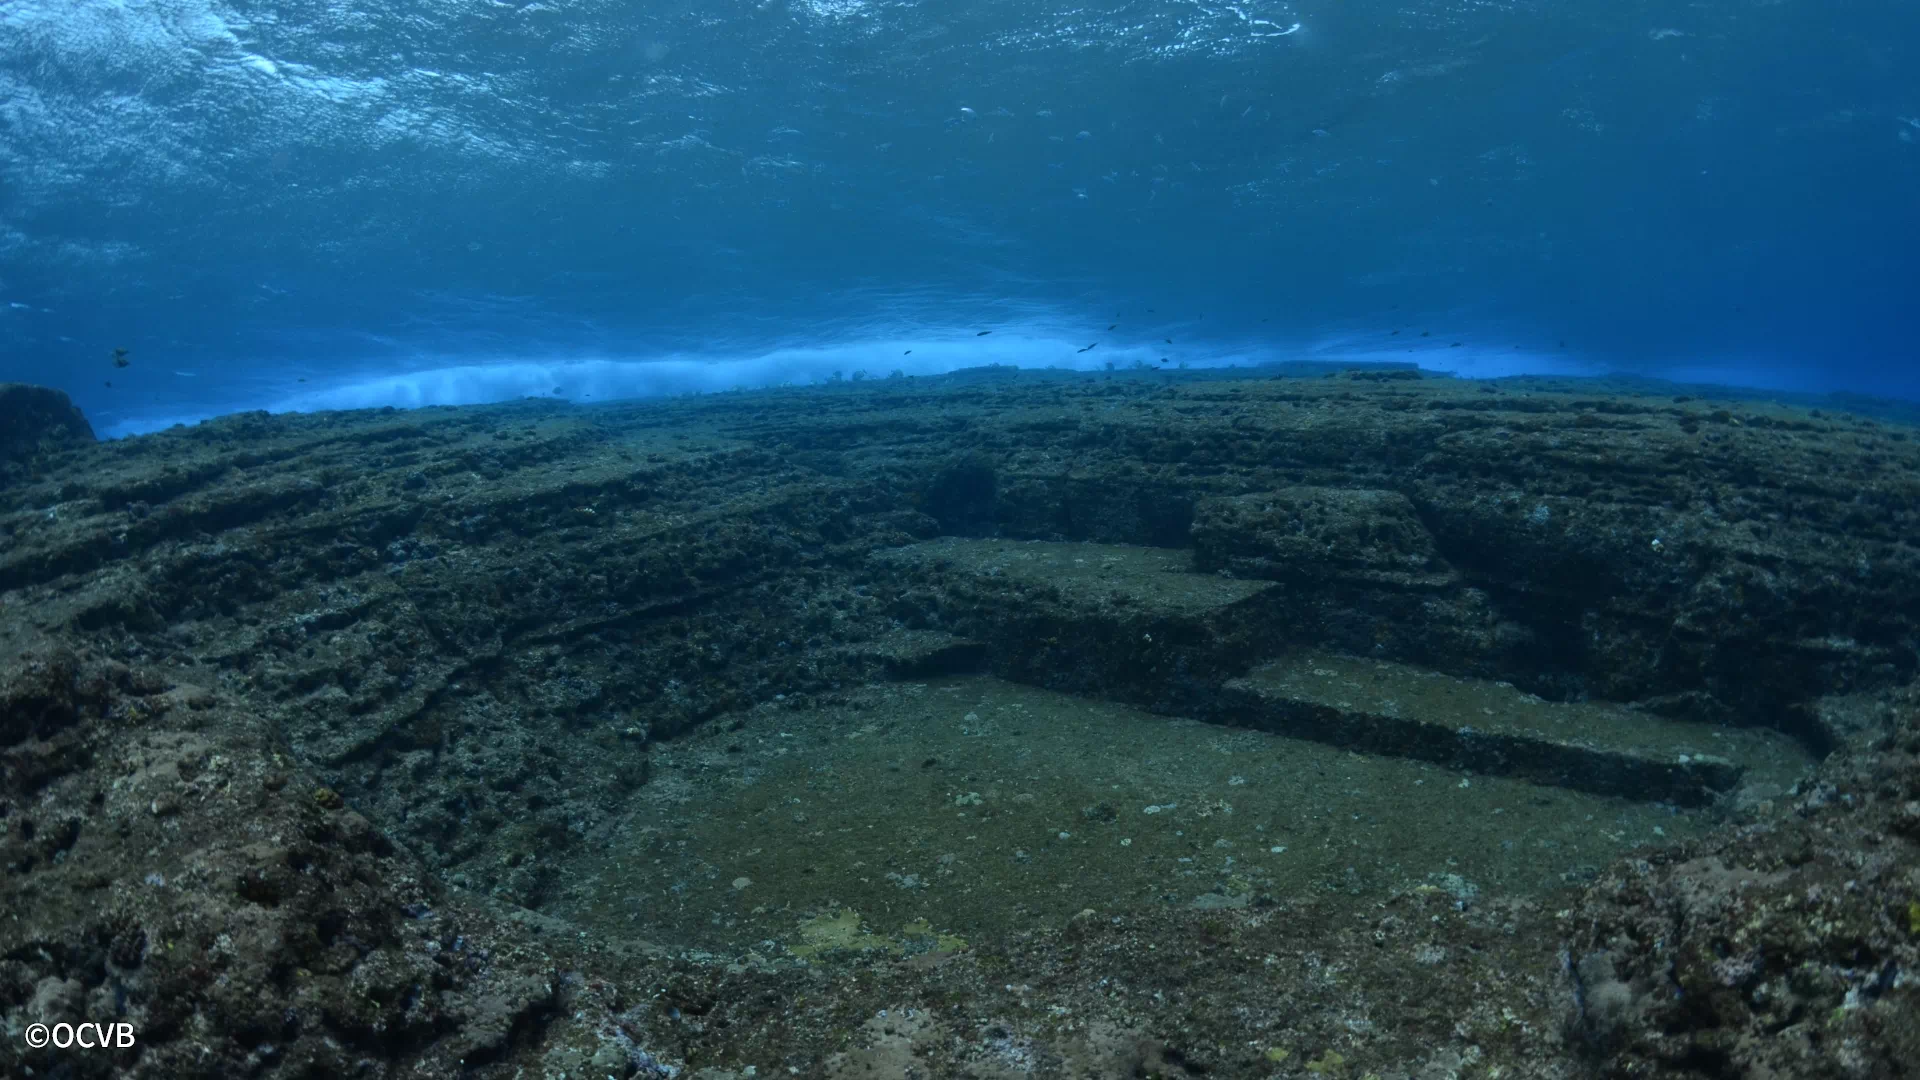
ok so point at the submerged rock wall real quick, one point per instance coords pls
(297, 709)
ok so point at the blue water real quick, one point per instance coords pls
(317, 203)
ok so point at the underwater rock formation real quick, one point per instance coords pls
(36, 420)
(309, 725)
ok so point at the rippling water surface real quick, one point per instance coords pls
(320, 203)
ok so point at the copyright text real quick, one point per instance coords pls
(64, 1036)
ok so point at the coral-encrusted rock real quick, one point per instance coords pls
(33, 418)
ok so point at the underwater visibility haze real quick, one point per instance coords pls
(965, 539)
(445, 202)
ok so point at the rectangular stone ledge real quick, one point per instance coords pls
(1318, 535)
(919, 654)
(1150, 582)
(1492, 728)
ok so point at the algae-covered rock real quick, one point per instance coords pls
(301, 716)
(837, 932)
(33, 421)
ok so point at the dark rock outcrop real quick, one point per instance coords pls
(301, 718)
(35, 420)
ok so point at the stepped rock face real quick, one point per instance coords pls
(302, 716)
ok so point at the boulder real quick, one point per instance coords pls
(34, 419)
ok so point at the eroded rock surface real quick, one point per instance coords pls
(303, 718)
(36, 422)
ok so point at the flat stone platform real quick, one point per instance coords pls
(1494, 728)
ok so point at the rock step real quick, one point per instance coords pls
(1154, 581)
(916, 654)
(1138, 625)
(1491, 727)
(1125, 623)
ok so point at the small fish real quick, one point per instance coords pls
(1112, 326)
(1426, 333)
(1456, 344)
(909, 352)
(120, 358)
(1394, 333)
(983, 333)
(1170, 340)
(108, 384)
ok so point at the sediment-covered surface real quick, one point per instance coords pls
(318, 733)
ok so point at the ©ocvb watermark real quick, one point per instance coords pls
(88, 1036)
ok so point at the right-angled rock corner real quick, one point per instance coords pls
(1488, 727)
